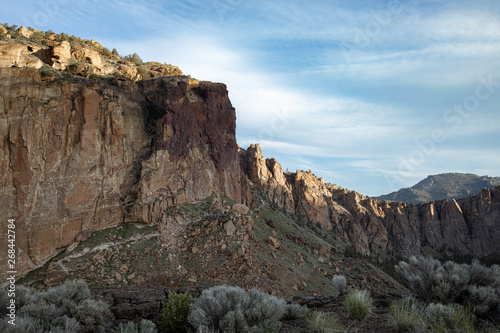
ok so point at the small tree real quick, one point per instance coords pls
(133, 58)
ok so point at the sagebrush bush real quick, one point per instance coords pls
(93, 315)
(485, 300)
(358, 304)
(145, 326)
(320, 322)
(174, 313)
(66, 308)
(407, 315)
(454, 317)
(340, 283)
(295, 311)
(447, 283)
(419, 273)
(232, 309)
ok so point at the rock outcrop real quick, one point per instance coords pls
(465, 226)
(19, 55)
(59, 55)
(83, 58)
(79, 155)
(3, 31)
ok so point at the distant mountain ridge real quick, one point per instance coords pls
(449, 186)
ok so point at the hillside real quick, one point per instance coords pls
(443, 186)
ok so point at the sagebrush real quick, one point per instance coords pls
(340, 283)
(475, 285)
(232, 309)
(66, 308)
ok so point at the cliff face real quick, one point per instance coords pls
(80, 155)
(470, 225)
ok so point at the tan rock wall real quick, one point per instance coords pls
(85, 156)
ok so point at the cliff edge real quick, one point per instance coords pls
(80, 155)
(465, 226)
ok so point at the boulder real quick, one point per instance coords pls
(229, 228)
(241, 208)
(274, 242)
(25, 31)
(60, 55)
(89, 56)
(129, 72)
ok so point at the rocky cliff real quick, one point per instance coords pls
(79, 154)
(466, 226)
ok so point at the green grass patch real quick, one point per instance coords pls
(321, 322)
(358, 304)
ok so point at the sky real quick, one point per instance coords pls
(371, 95)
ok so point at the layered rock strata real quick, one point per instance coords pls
(79, 155)
(465, 226)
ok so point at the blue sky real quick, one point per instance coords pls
(371, 95)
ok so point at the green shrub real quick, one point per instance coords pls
(358, 304)
(143, 72)
(340, 283)
(320, 322)
(463, 318)
(407, 315)
(295, 311)
(174, 313)
(232, 309)
(350, 251)
(133, 58)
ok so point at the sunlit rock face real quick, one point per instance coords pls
(79, 155)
